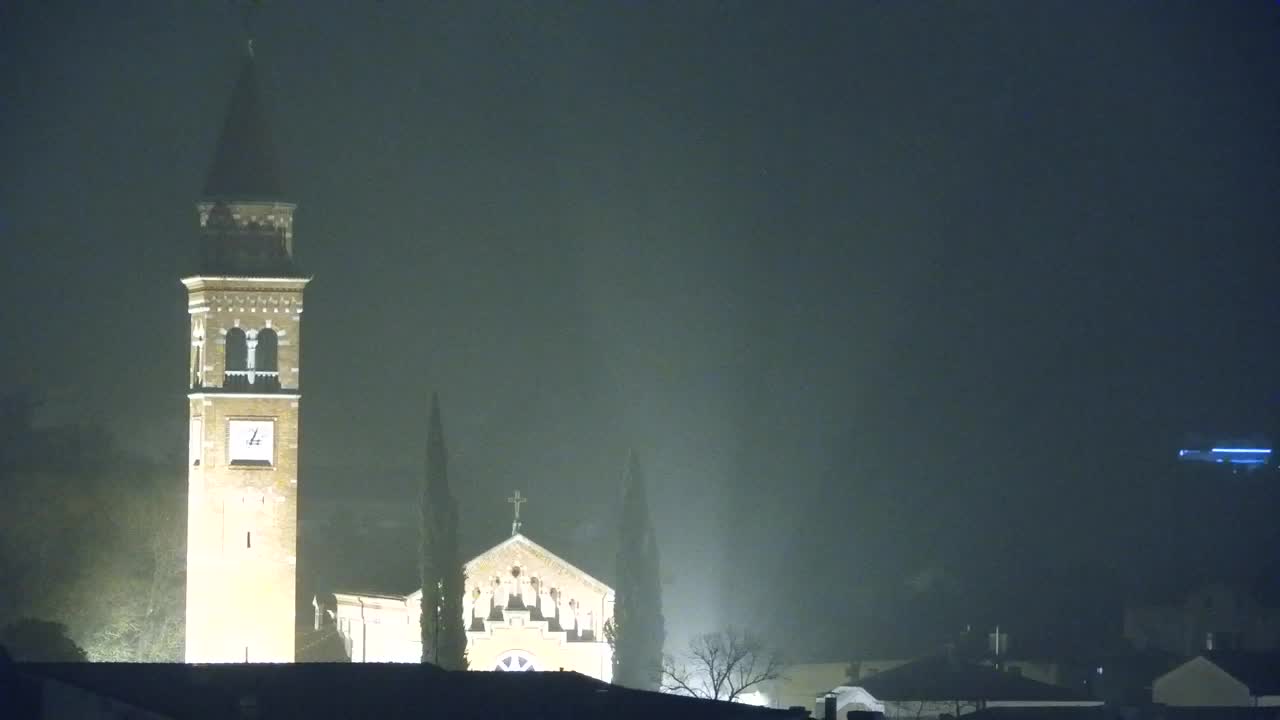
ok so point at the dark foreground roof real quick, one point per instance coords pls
(1048, 713)
(363, 690)
(944, 679)
(1154, 712)
(1213, 713)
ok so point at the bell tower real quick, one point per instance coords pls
(245, 305)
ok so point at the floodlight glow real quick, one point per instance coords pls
(1250, 456)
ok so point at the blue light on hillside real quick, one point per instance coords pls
(1230, 455)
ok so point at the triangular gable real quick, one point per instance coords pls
(541, 553)
(1198, 681)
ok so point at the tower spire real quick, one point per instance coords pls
(244, 165)
(246, 17)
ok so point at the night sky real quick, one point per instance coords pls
(894, 299)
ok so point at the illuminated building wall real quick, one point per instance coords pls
(242, 508)
(525, 608)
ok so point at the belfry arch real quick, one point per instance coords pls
(266, 353)
(237, 350)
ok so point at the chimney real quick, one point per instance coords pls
(829, 707)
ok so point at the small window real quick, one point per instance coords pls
(195, 441)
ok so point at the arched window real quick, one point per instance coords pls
(237, 351)
(265, 355)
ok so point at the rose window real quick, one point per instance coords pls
(515, 661)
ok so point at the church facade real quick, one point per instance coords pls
(525, 608)
(245, 308)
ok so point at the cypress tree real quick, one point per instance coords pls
(637, 630)
(453, 629)
(443, 636)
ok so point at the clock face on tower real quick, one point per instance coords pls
(251, 442)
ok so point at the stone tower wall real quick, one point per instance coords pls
(242, 520)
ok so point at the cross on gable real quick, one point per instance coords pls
(516, 501)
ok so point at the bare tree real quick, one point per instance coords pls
(723, 665)
(135, 575)
(94, 540)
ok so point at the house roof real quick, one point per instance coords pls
(244, 165)
(1129, 676)
(941, 678)
(359, 690)
(1215, 713)
(1260, 672)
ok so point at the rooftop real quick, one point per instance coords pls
(321, 690)
(943, 679)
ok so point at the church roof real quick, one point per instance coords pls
(545, 554)
(536, 549)
(395, 575)
(244, 164)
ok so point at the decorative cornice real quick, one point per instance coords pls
(280, 395)
(192, 282)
